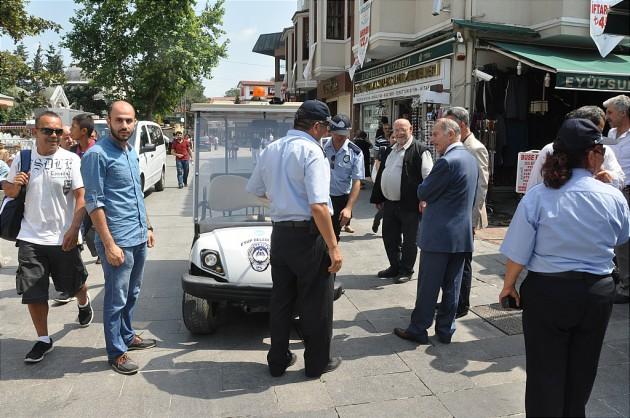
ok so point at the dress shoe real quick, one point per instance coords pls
(338, 291)
(405, 335)
(333, 364)
(375, 225)
(461, 314)
(388, 273)
(444, 339)
(277, 373)
(403, 277)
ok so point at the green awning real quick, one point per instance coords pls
(497, 28)
(575, 69)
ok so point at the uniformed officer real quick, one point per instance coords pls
(294, 175)
(346, 171)
(564, 232)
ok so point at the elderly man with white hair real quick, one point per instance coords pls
(618, 116)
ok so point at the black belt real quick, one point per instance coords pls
(292, 224)
(573, 275)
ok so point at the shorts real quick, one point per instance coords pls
(36, 263)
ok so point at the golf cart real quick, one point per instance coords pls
(229, 259)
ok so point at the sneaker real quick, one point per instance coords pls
(40, 349)
(124, 365)
(141, 343)
(180, 186)
(64, 297)
(86, 314)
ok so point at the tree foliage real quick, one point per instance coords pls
(16, 23)
(146, 51)
(234, 91)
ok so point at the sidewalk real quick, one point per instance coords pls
(481, 374)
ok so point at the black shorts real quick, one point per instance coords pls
(39, 262)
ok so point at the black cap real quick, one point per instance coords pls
(313, 110)
(340, 125)
(578, 135)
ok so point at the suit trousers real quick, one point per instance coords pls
(464, 292)
(399, 222)
(339, 203)
(564, 322)
(437, 271)
(302, 284)
(623, 258)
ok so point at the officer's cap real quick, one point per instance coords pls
(577, 135)
(340, 125)
(313, 110)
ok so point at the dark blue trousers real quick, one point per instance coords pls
(437, 271)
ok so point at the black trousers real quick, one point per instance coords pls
(464, 292)
(302, 283)
(564, 322)
(339, 203)
(399, 222)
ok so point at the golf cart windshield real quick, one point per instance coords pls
(228, 141)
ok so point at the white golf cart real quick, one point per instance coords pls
(229, 259)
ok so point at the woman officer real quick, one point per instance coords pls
(564, 232)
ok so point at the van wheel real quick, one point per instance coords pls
(200, 315)
(159, 186)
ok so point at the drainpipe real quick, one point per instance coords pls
(470, 54)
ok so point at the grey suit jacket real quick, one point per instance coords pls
(449, 191)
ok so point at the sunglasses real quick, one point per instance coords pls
(332, 162)
(50, 131)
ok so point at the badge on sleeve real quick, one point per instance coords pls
(346, 158)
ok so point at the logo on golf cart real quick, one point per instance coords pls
(258, 254)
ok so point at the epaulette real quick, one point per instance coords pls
(354, 147)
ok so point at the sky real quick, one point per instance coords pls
(243, 22)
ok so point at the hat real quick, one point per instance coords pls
(577, 135)
(313, 110)
(340, 125)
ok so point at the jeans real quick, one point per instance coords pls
(122, 289)
(182, 172)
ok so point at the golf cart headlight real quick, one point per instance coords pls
(210, 260)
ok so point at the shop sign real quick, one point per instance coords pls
(599, 15)
(364, 30)
(404, 83)
(333, 87)
(524, 167)
(418, 57)
(575, 81)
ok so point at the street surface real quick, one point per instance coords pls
(481, 374)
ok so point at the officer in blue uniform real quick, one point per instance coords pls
(564, 232)
(346, 171)
(294, 175)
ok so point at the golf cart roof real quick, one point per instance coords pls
(253, 107)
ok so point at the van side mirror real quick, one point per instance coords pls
(148, 148)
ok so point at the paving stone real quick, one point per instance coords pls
(502, 400)
(419, 406)
(599, 408)
(612, 380)
(376, 388)
(353, 367)
(317, 413)
(306, 396)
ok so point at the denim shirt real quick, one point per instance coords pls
(111, 177)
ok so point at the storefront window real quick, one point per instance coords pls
(372, 115)
(335, 19)
(350, 13)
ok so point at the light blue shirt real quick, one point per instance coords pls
(574, 228)
(294, 174)
(348, 166)
(111, 177)
(4, 170)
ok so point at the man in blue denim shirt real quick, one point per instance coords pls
(115, 202)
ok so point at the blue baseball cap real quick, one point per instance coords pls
(313, 110)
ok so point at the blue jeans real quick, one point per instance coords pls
(182, 172)
(122, 289)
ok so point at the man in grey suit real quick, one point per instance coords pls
(445, 234)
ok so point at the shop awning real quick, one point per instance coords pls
(575, 69)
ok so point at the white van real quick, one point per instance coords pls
(149, 142)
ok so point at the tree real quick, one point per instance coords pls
(16, 23)
(82, 97)
(20, 51)
(145, 51)
(235, 91)
(54, 63)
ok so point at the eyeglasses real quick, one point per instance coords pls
(332, 162)
(50, 131)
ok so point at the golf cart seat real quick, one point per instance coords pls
(227, 193)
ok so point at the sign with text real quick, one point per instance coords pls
(599, 14)
(593, 82)
(524, 167)
(364, 30)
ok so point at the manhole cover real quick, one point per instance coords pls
(508, 321)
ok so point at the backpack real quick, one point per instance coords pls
(12, 210)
